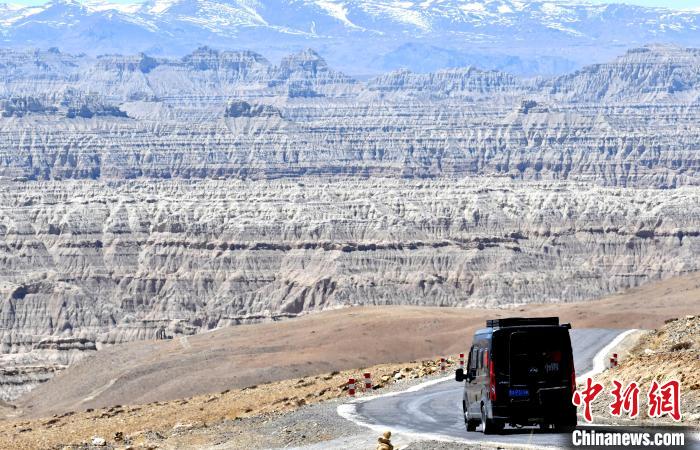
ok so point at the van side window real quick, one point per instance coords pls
(473, 358)
(479, 358)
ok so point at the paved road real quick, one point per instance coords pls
(437, 410)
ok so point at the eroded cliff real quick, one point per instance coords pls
(631, 122)
(88, 263)
(144, 196)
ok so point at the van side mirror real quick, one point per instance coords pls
(459, 375)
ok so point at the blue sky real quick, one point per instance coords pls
(666, 3)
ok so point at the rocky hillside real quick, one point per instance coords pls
(671, 352)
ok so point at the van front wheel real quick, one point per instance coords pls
(489, 426)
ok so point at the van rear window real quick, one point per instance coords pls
(547, 351)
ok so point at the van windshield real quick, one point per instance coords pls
(534, 353)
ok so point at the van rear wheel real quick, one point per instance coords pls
(489, 426)
(469, 423)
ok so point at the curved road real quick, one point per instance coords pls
(436, 412)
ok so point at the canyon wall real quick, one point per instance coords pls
(89, 263)
(141, 195)
(631, 122)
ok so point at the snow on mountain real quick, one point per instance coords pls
(358, 36)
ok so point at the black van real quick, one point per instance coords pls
(519, 371)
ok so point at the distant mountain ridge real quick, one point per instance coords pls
(359, 37)
(654, 73)
(235, 114)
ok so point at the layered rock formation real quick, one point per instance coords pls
(631, 122)
(89, 263)
(142, 194)
(649, 74)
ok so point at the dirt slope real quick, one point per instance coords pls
(202, 421)
(148, 371)
(669, 353)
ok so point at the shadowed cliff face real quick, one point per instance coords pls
(88, 263)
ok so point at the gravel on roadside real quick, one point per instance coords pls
(312, 426)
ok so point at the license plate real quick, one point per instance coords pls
(519, 392)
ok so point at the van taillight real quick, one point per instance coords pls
(492, 381)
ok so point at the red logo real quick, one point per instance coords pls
(586, 397)
(665, 399)
(625, 401)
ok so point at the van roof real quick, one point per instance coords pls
(522, 321)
